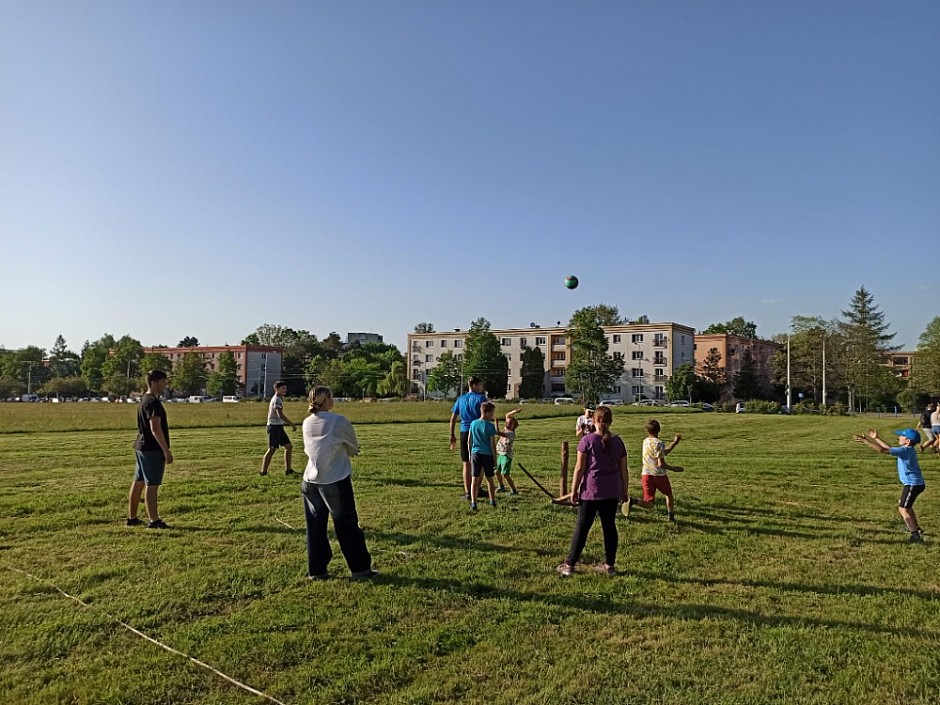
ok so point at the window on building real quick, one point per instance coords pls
(637, 389)
(458, 343)
(636, 338)
(558, 355)
(429, 358)
(505, 342)
(429, 343)
(616, 390)
(616, 339)
(659, 372)
(558, 387)
(637, 355)
(443, 343)
(637, 371)
(659, 392)
(557, 372)
(540, 340)
(416, 374)
(523, 342)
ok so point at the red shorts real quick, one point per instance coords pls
(651, 483)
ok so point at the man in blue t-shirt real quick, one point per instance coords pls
(467, 409)
(908, 472)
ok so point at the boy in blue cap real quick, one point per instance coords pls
(908, 472)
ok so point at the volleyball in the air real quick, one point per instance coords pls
(571, 281)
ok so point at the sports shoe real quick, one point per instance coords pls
(136, 521)
(157, 524)
(466, 496)
(916, 536)
(473, 506)
(319, 576)
(263, 473)
(492, 502)
(671, 517)
(500, 490)
(290, 471)
(365, 574)
(565, 570)
(513, 491)
(605, 569)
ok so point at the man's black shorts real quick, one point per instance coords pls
(465, 446)
(277, 436)
(908, 494)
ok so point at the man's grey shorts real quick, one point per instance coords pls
(150, 467)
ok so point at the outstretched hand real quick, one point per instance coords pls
(872, 433)
(677, 438)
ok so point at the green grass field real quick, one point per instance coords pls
(786, 580)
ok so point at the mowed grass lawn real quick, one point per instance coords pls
(786, 580)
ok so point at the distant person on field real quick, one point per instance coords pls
(504, 451)
(483, 435)
(925, 424)
(329, 442)
(600, 481)
(912, 480)
(467, 409)
(655, 471)
(152, 448)
(585, 423)
(277, 436)
(935, 426)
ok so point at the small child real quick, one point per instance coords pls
(482, 443)
(908, 472)
(504, 452)
(655, 470)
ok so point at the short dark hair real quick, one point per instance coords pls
(280, 383)
(473, 381)
(155, 376)
(652, 427)
(487, 406)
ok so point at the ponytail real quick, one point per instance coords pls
(317, 399)
(602, 420)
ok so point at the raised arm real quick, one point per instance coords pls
(671, 446)
(872, 440)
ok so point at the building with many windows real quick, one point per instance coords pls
(257, 367)
(651, 352)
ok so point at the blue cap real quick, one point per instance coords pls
(910, 434)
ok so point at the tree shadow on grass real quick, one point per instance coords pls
(452, 542)
(681, 611)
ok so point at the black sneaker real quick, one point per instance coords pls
(158, 524)
(671, 517)
(916, 536)
(136, 521)
(365, 574)
(290, 471)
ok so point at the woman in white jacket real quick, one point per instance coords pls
(329, 442)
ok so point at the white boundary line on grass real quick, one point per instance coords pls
(139, 633)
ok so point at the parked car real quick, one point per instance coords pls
(611, 402)
(707, 407)
(648, 402)
(563, 400)
(679, 402)
(230, 399)
(739, 408)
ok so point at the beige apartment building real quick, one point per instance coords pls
(651, 352)
(257, 367)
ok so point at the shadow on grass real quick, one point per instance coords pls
(451, 542)
(680, 611)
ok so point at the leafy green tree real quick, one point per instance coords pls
(190, 374)
(94, 355)
(446, 376)
(736, 326)
(65, 387)
(809, 335)
(746, 383)
(120, 385)
(712, 379)
(395, 382)
(424, 328)
(605, 314)
(123, 359)
(865, 344)
(361, 377)
(533, 374)
(328, 372)
(484, 358)
(591, 371)
(25, 367)
(926, 369)
(154, 361)
(188, 342)
(680, 385)
(224, 381)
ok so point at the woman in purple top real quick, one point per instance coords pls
(600, 481)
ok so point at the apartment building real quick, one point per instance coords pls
(731, 348)
(901, 364)
(257, 367)
(651, 352)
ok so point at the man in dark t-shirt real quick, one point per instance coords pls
(152, 448)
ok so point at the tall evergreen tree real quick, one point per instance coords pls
(712, 377)
(865, 343)
(533, 374)
(926, 370)
(746, 383)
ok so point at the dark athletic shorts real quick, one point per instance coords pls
(150, 467)
(485, 464)
(465, 446)
(908, 494)
(277, 436)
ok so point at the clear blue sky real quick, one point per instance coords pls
(200, 168)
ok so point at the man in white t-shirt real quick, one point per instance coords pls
(277, 436)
